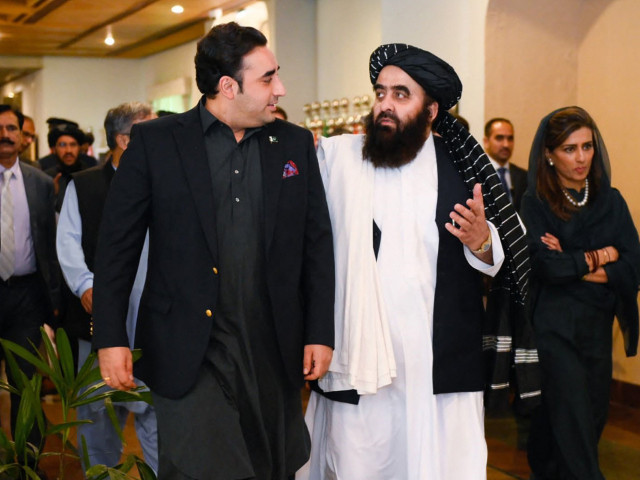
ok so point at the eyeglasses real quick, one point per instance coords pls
(28, 135)
(67, 144)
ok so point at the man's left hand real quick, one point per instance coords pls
(316, 361)
(472, 229)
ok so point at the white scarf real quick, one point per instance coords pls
(363, 357)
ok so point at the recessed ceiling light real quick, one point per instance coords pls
(177, 9)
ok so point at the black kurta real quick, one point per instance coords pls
(251, 416)
(572, 321)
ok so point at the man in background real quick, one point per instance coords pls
(28, 136)
(66, 148)
(498, 144)
(77, 237)
(29, 271)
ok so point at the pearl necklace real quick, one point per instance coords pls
(582, 202)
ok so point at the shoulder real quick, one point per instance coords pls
(88, 174)
(515, 168)
(530, 202)
(162, 125)
(341, 143)
(35, 173)
(617, 200)
(288, 130)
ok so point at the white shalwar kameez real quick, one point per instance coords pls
(404, 431)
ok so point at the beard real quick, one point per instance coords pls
(393, 148)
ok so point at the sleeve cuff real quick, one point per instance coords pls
(496, 249)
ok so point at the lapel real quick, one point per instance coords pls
(190, 146)
(272, 159)
(31, 190)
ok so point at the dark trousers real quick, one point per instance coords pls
(575, 357)
(188, 449)
(23, 310)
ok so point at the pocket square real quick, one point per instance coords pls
(290, 169)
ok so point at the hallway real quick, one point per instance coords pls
(619, 447)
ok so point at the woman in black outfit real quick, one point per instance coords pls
(586, 269)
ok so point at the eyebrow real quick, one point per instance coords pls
(270, 73)
(397, 88)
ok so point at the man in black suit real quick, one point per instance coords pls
(498, 144)
(237, 308)
(29, 271)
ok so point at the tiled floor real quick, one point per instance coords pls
(619, 447)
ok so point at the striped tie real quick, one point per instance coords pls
(7, 245)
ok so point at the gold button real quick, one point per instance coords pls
(209, 313)
(215, 270)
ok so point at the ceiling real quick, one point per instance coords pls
(34, 28)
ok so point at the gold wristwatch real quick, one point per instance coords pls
(486, 245)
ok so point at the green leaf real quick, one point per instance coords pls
(30, 472)
(5, 386)
(145, 471)
(9, 468)
(137, 394)
(61, 427)
(115, 421)
(65, 356)
(13, 370)
(95, 470)
(84, 453)
(24, 424)
(26, 355)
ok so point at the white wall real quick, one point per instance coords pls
(293, 39)
(347, 34)
(171, 65)
(453, 30)
(608, 69)
(84, 89)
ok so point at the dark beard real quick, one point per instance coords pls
(392, 149)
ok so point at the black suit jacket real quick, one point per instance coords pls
(518, 184)
(41, 200)
(164, 184)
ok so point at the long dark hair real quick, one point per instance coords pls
(561, 125)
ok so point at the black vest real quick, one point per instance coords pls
(92, 186)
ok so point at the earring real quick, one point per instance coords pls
(550, 162)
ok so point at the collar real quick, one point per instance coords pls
(496, 165)
(207, 119)
(15, 168)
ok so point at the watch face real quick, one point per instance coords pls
(485, 246)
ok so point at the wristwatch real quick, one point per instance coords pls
(486, 245)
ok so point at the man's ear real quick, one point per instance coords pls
(227, 86)
(433, 108)
(122, 141)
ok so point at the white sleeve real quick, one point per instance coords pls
(497, 250)
(69, 244)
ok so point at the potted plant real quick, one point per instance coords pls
(18, 457)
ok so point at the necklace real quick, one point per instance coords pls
(582, 202)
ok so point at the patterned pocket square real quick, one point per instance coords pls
(290, 169)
